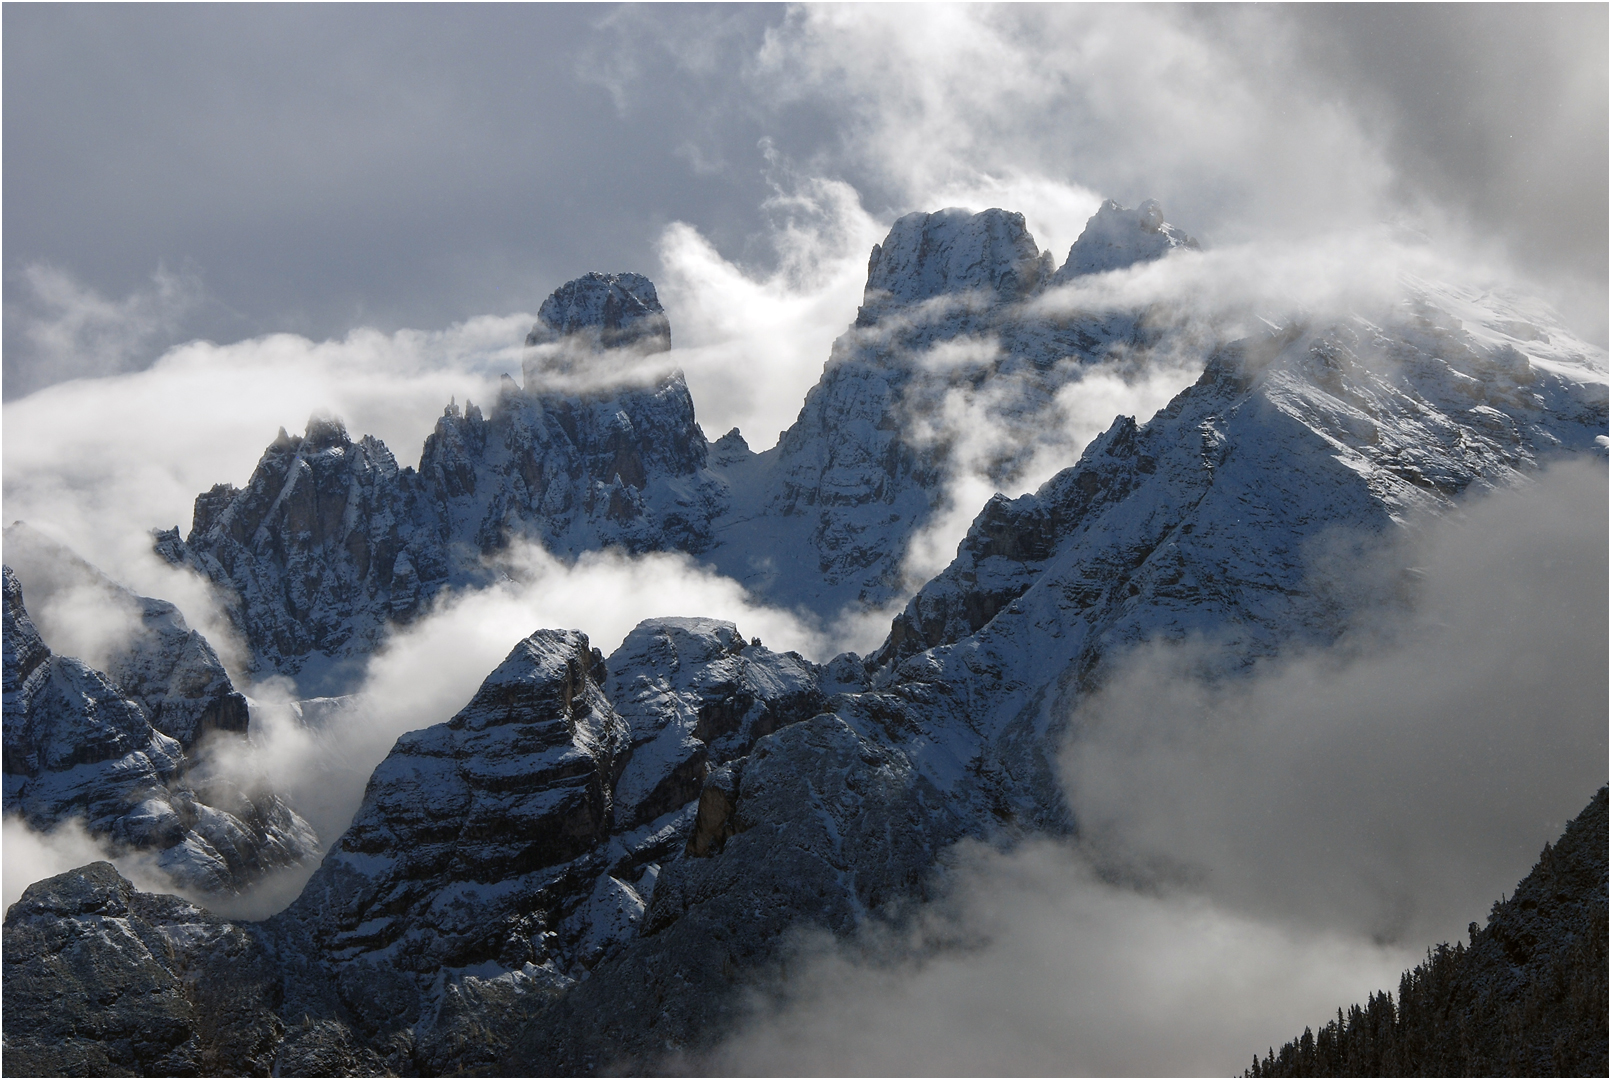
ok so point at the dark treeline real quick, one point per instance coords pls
(1526, 997)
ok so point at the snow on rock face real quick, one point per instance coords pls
(330, 543)
(522, 839)
(327, 540)
(1200, 520)
(610, 310)
(952, 252)
(1117, 237)
(825, 519)
(103, 980)
(624, 467)
(76, 746)
(474, 839)
(1209, 519)
(170, 669)
(693, 694)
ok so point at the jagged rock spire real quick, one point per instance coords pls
(1116, 237)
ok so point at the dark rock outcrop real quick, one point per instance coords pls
(103, 980)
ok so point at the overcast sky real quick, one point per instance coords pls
(227, 171)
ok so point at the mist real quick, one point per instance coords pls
(1389, 784)
(1255, 850)
(32, 855)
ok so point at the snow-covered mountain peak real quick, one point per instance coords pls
(949, 252)
(611, 310)
(1117, 236)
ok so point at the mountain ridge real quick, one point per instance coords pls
(583, 866)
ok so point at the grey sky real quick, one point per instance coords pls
(315, 168)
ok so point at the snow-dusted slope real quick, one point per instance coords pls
(1201, 520)
(1117, 237)
(171, 670)
(609, 310)
(78, 747)
(500, 856)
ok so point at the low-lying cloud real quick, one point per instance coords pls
(1387, 785)
(1001, 437)
(1052, 972)
(1255, 850)
(32, 855)
(97, 463)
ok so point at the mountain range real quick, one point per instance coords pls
(585, 867)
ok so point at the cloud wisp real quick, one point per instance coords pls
(68, 330)
(31, 855)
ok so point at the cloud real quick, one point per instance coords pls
(1210, 116)
(999, 438)
(96, 463)
(1049, 971)
(313, 161)
(1390, 784)
(32, 856)
(752, 341)
(1255, 851)
(67, 330)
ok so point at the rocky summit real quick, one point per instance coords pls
(595, 862)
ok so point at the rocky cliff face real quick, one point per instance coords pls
(103, 980)
(78, 747)
(501, 856)
(1209, 519)
(331, 544)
